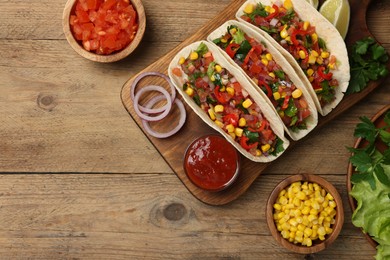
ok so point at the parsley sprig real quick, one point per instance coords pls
(367, 62)
(367, 160)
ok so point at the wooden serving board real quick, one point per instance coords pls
(173, 148)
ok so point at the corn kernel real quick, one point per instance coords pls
(283, 33)
(311, 79)
(218, 68)
(265, 147)
(281, 113)
(321, 231)
(308, 242)
(310, 72)
(320, 60)
(271, 74)
(232, 31)
(223, 40)
(315, 54)
(312, 59)
(306, 25)
(314, 37)
(230, 128)
(194, 55)
(249, 8)
(264, 61)
(302, 54)
(219, 123)
(218, 108)
(258, 153)
(230, 91)
(212, 78)
(232, 135)
(247, 103)
(287, 4)
(276, 95)
(329, 196)
(297, 93)
(238, 131)
(189, 91)
(277, 206)
(268, 56)
(325, 54)
(182, 60)
(211, 113)
(242, 122)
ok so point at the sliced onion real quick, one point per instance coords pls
(158, 74)
(137, 106)
(273, 22)
(182, 119)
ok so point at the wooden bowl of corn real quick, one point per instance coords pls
(305, 213)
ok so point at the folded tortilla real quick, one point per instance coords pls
(280, 60)
(326, 31)
(276, 124)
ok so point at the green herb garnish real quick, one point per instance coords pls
(367, 160)
(367, 62)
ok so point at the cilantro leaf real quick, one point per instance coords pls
(367, 62)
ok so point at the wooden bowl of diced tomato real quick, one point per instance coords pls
(104, 30)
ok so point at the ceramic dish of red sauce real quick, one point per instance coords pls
(211, 163)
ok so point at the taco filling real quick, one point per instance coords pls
(218, 93)
(300, 39)
(253, 57)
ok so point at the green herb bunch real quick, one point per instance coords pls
(367, 62)
(367, 160)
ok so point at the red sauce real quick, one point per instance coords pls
(104, 26)
(211, 162)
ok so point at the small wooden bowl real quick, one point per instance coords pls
(69, 9)
(318, 245)
(377, 119)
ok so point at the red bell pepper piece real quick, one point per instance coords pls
(294, 34)
(322, 74)
(270, 16)
(285, 102)
(267, 88)
(245, 145)
(231, 49)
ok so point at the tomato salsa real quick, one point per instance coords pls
(252, 56)
(104, 26)
(226, 102)
(211, 162)
(299, 38)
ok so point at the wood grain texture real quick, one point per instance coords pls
(195, 127)
(61, 114)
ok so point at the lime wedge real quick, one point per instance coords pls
(338, 13)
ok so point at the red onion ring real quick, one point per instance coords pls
(152, 73)
(182, 119)
(160, 89)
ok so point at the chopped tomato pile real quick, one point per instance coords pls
(104, 26)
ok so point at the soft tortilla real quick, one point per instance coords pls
(275, 122)
(324, 29)
(281, 61)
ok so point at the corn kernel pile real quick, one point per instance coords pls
(304, 212)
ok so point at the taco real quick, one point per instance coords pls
(271, 75)
(308, 41)
(224, 99)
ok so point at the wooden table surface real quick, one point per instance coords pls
(80, 180)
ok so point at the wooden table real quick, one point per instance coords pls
(79, 179)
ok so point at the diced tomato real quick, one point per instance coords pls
(231, 119)
(104, 26)
(268, 134)
(255, 68)
(82, 16)
(200, 83)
